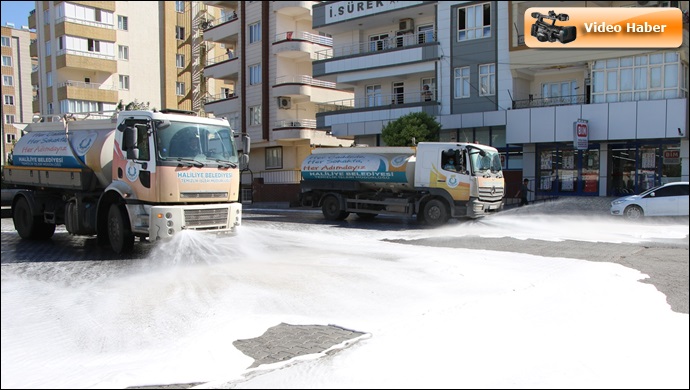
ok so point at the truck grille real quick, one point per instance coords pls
(203, 195)
(490, 194)
(206, 218)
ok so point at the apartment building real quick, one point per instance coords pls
(486, 86)
(17, 93)
(94, 55)
(260, 55)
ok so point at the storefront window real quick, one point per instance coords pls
(670, 164)
(590, 171)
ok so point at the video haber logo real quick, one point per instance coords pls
(603, 27)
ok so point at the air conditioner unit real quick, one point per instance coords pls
(406, 24)
(284, 102)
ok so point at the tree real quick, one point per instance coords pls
(411, 128)
(131, 106)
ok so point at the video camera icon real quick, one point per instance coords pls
(545, 32)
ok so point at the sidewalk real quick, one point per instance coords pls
(569, 205)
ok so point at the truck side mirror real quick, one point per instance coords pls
(246, 143)
(129, 138)
(244, 162)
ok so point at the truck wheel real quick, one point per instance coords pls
(28, 226)
(331, 209)
(434, 213)
(119, 231)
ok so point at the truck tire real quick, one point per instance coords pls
(119, 230)
(28, 226)
(331, 209)
(434, 213)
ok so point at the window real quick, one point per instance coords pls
(487, 80)
(49, 79)
(61, 43)
(122, 22)
(179, 33)
(93, 45)
(378, 42)
(274, 157)
(425, 33)
(48, 48)
(7, 80)
(9, 119)
(428, 89)
(179, 88)
(255, 74)
(374, 97)
(50, 108)
(179, 6)
(474, 22)
(559, 92)
(225, 92)
(6, 61)
(9, 138)
(123, 52)
(179, 60)
(6, 42)
(254, 115)
(462, 82)
(255, 32)
(643, 77)
(124, 82)
(9, 100)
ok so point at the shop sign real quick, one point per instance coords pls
(581, 134)
(671, 157)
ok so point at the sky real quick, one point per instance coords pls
(16, 12)
(432, 317)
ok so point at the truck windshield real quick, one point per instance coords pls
(200, 142)
(482, 163)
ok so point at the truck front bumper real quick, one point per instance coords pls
(166, 221)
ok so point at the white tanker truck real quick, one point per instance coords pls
(147, 174)
(409, 181)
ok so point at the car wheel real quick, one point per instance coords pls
(633, 212)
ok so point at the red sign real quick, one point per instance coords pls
(672, 157)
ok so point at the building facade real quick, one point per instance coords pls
(91, 55)
(488, 87)
(17, 92)
(260, 55)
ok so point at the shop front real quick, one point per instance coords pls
(639, 165)
(564, 170)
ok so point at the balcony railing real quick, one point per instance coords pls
(205, 25)
(304, 79)
(217, 97)
(303, 123)
(81, 53)
(551, 101)
(303, 36)
(85, 22)
(82, 84)
(379, 45)
(387, 101)
(229, 55)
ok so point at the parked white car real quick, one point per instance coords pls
(670, 199)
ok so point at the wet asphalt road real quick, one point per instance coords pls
(665, 261)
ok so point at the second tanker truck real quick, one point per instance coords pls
(147, 174)
(434, 181)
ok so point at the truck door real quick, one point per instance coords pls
(139, 165)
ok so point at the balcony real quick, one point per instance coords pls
(402, 55)
(221, 104)
(296, 44)
(225, 30)
(224, 67)
(222, 4)
(79, 90)
(88, 60)
(294, 8)
(374, 111)
(295, 123)
(551, 102)
(33, 48)
(32, 19)
(306, 86)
